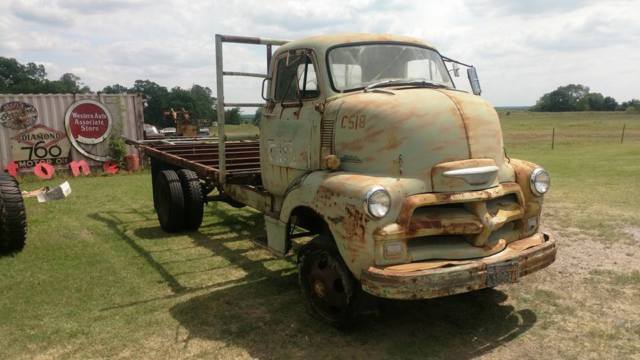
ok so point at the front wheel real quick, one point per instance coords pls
(326, 283)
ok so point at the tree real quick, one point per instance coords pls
(156, 100)
(257, 116)
(557, 100)
(631, 106)
(115, 89)
(591, 102)
(610, 104)
(203, 104)
(18, 78)
(575, 97)
(232, 116)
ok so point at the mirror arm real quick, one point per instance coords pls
(265, 98)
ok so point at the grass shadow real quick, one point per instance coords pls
(263, 312)
(268, 320)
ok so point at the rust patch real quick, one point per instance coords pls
(354, 224)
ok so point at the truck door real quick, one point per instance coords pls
(290, 121)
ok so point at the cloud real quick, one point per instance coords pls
(41, 13)
(537, 45)
(103, 6)
(525, 8)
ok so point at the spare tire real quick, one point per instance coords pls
(13, 217)
(170, 201)
(193, 199)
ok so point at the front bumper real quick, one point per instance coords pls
(430, 279)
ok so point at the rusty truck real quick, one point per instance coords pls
(367, 146)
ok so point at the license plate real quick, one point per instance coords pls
(502, 273)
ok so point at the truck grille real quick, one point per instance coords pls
(460, 225)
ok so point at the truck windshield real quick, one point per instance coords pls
(358, 66)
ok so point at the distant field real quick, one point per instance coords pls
(589, 166)
(98, 278)
(237, 130)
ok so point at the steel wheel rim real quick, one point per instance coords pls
(326, 285)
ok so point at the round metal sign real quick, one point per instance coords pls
(88, 122)
(18, 115)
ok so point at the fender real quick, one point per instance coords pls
(339, 198)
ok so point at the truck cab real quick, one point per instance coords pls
(368, 147)
(368, 137)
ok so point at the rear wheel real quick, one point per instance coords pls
(326, 283)
(155, 171)
(170, 201)
(13, 217)
(193, 199)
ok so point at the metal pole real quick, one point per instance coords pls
(268, 58)
(622, 136)
(222, 164)
(553, 138)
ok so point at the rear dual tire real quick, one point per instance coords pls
(13, 217)
(178, 200)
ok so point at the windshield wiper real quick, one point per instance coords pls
(383, 82)
(403, 82)
(425, 82)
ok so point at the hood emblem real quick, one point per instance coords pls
(475, 175)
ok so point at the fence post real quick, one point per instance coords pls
(553, 138)
(622, 136)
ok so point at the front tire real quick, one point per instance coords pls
(13, 217)
(326, 283)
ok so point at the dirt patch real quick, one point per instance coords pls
(579, 253)
(634, 232)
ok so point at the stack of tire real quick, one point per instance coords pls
(178, 199)
(13, 218)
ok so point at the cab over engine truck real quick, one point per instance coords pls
(368, 146)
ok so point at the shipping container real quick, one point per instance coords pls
(59, 128)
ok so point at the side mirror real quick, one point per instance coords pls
(456, 70)
(473, 80)
(264, 81)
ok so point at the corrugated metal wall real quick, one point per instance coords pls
(51, 108)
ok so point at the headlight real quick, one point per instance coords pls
(540, 181)
(377, 202)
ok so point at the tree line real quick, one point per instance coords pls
(31, 78)
(576, 97)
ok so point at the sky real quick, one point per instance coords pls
(522, 49)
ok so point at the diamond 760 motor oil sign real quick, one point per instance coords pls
(40, 143)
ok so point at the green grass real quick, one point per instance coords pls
(98, 278)
(588, 165)
(237, 130)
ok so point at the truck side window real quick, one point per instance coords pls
(298, 77)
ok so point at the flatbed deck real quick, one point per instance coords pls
(202, 156)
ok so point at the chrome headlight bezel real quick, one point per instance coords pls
(533, 181)
(369, 199)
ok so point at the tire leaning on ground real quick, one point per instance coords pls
(327, 284)
(13, 217)
(170, 201)
(193, 199)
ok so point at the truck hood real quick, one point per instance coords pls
(448, 139)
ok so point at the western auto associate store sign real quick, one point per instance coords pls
(88, 122)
